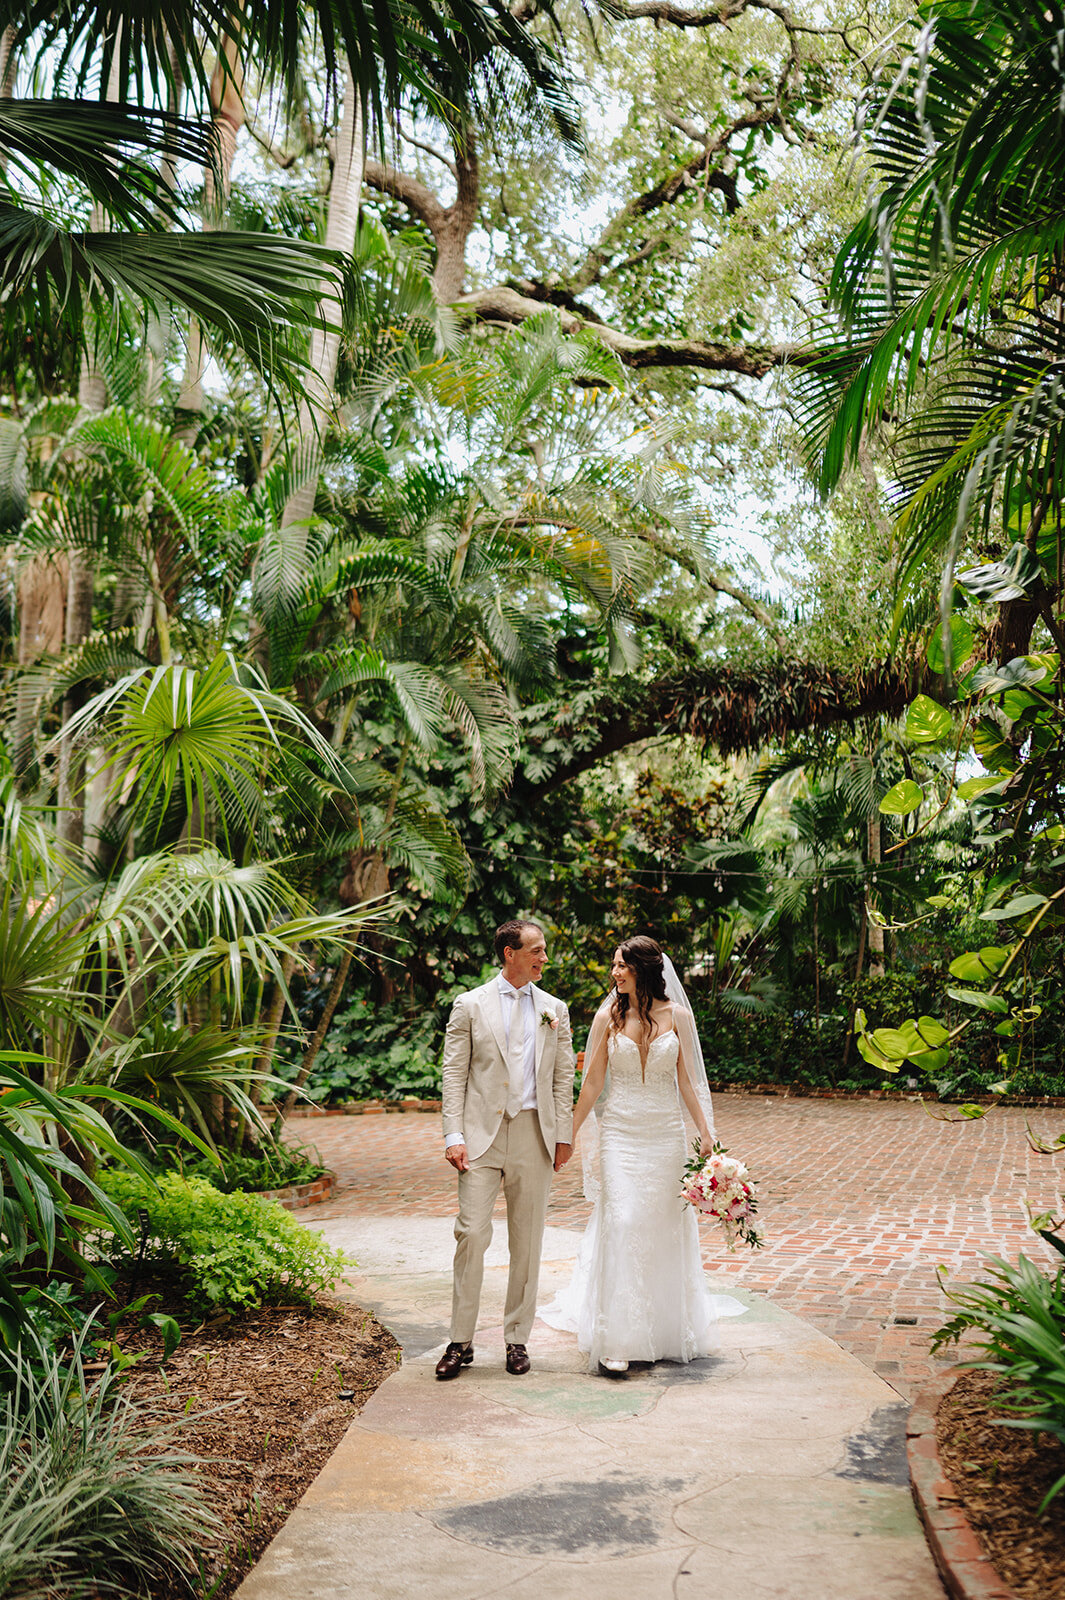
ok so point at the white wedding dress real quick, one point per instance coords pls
(638, 1292)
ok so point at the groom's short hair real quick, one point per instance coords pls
(508, 936)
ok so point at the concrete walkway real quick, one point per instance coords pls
(775, 1467)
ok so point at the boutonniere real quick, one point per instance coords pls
(548, 1020)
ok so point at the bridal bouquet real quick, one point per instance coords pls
(721, 1187)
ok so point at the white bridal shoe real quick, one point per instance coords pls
(615, 1366)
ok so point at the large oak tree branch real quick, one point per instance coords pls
(451, 225)
(733, 712)
(409, 191)
(505, 305)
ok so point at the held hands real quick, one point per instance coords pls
(456, 1154)
(562, 1155)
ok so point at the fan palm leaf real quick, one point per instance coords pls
(385, 46)
(40, 962)
(195, 732)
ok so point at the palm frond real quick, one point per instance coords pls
(93, 141)
(256, 293)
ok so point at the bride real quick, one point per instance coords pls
(638, 1293)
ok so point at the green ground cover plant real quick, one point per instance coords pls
(271, 1166)
(234, 1250)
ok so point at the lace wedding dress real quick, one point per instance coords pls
(638, 1291)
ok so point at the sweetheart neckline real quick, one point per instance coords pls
(669, 1033)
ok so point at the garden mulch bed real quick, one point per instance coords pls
(1000, 1476)
(289, 1381)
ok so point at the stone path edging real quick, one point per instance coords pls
(297, 1195)
(780, 1091)
(959, 1555)
(364, 1108)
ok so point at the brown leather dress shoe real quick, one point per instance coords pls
(517, 1359)
(454, 1358)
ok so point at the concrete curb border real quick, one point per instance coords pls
(966, 1572)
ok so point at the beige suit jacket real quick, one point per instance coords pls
(475, 1075)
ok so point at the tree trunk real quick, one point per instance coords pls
(365, 879)
(876, 932)
(81, 580)
(272, 1023)
(449, 273)
(42, 602)
(229, 116)
(345, 195)
(336, 989)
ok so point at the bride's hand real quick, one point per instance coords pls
(706, 1144)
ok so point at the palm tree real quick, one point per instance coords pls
(951, 291)
(256, 292)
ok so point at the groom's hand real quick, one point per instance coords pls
(562, 1155)
(456, 1154)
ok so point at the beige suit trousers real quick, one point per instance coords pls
(517, 1158)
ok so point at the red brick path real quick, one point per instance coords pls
(860, 1201)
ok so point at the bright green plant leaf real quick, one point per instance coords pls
(1009, 579)
(977, 786)
(1015, 674)
(1045, 659)
(961, 644)
(870, 1053)
(926, 721)
(976, 997)
(902, 798)
(894, 1043)
(1017, 702)
(932, 1032)
(994, 751)
(976, 966)
(930, 1060)
(1016, 907)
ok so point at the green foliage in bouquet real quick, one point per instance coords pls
(233, 1250)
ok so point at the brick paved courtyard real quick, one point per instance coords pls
(860, 1201)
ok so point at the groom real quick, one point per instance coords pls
(508, 1118)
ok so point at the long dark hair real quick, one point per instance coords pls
(644, 958)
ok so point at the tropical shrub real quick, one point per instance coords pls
(39, 1216)
(231, 1250)
(272, 1166)
(1017, 1318)
(94, 1490)
(372, 1053)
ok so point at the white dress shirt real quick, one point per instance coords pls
(523, 997)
